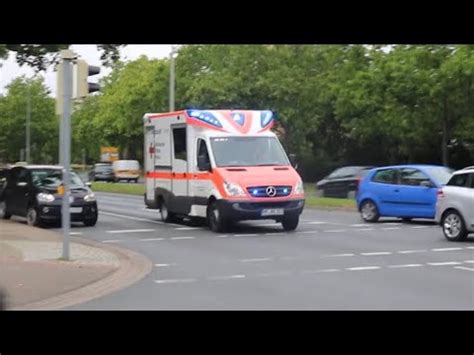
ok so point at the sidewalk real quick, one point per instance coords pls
(33, 276)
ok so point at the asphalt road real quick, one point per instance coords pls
(333, 261)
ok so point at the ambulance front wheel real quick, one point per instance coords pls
(166, 215)
(214, 218)
(290, 223)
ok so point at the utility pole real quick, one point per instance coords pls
(172, 78)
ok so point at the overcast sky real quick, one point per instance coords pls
(10, 70)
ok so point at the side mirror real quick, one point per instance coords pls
(293, 161)
(203, 163)
(88, 184)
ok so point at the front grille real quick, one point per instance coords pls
(262, 191)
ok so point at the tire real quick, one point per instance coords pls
(4, 214)
(166, 215)
(369, 211)
(91, 222)
(454, 228)
(290, 223)
(215, 220)
(32, 217)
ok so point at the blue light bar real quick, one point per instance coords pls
(204, 116)
(238, 118)
(265, 118)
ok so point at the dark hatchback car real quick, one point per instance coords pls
(102, 172)
(32, 192)
(342, 182)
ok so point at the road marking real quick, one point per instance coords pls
(445, 263)
(377, 253)
(405, 265)
(226, 277)
(245, 235)
(187, 228)
(364, 229)
(151, 239)
(254, 260)
(446, 249)
(308, 232)
(130, 231)
(129, 217)
(272, 274)
(111, 241)
(316, 222)
(470, 247)
(164, 265)
(358, 225)
(464, 268)
(179, 238)
(335, 231)
(75, 233)
(174, 281)
(393, 224)
(222, 236)
(411, 251)
(390, 228)
(469, 261)
(277, 233)
(363, 268)
(338, 255)
(318, 271)
(420, 227)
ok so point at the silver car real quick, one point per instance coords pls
(455, 205)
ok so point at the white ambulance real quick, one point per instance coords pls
(221, 165)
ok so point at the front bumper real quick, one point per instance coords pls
(53, 212)
(239, 210)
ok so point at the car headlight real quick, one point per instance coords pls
(43, 197)
(89, 197)
(233, 189)
(299, 190)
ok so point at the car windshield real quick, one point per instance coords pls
(441, 174)
(52, 178)
(248, 151)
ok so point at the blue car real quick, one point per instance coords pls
(403, 191)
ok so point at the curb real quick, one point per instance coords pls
(133, 267)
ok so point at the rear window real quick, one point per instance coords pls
(385, 176)
(458, 180)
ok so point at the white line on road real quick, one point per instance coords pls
(277, 233)
(179, 238)
(358, 225)
(272, 274)
(151, 239)
(464, 268)
(364, 229)
(393, 224)
(335, 231)
(377, 253)
(174, 281)
(405, 265)
(470, 247)
(111, 241)
(469, 261)
(339, 255)
(245, 235)
(164, 265)
(317, 222)
(187, 228)
(390, 228)
(254, 260)
(420, 227)
(445, 263)
(130, 231)
(222, 236)
(226, 277)
(411, 251)
(129, 217)
(308, 232)
(446, 249)
(75, 233)
(363, 268)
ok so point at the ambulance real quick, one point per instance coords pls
(222, 165)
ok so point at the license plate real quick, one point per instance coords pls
(273, 212)
(75, 209)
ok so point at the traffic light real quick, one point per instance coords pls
(81, 72)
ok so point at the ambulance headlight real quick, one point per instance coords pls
(299, 190)
(233, 189)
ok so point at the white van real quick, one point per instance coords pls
(126, 170)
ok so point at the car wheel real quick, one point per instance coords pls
(32, 217)
(453, 225)
(166, 215)
(4, 214)
(290, 223)
(90, 222)
(214, 218)
(369, 211)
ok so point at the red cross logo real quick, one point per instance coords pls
(151, 150)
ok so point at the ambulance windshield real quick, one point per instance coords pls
(248, 151)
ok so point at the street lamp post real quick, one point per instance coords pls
(172, 78)
(28, 124)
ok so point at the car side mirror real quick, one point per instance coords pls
(88, 184)
(293, 161)
(203, 163)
